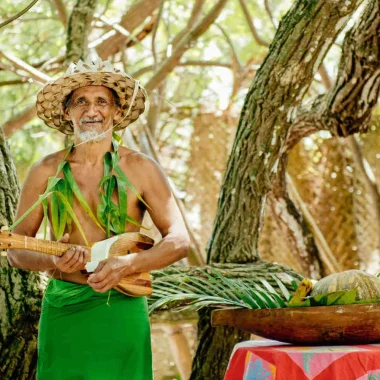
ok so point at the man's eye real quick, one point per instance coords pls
(102, 101)
(81, 101)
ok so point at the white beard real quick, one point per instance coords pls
(95, 136)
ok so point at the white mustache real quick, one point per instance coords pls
(90, 120)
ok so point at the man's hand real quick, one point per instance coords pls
(109, 273)
(72, 260)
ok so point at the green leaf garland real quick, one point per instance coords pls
(111, 218)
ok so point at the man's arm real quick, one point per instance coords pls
(166, 216)
(34, 185)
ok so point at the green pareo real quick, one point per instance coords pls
(81, 337)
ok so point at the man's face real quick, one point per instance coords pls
(92, 110)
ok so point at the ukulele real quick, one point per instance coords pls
(136, 284)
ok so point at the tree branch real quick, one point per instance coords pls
(18, 14)
(270, 14)
(13, 82)
(146, 69)
(235, 57)
(21, 65)
(62, 12)
(78, 30)
(196, 13)
(348, 107)
(18, 121)
(136, 14)
(184, 44)
(248, 18)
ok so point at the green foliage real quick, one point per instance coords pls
(212, 289)
(60, 191)
(111, 215)
(342, 297)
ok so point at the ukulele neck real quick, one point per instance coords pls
(8, 240)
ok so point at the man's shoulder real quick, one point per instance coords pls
(133, 157)
(48, 164)
(143, 168)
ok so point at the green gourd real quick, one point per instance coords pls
(367, 286)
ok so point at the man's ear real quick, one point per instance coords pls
(117, 115)
(66, 115)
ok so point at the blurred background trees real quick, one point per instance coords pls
(197, 60)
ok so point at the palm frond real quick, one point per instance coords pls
(181, 291)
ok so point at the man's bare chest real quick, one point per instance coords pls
(89, 181)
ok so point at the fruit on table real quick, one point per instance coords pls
(367, 286)
(303, 290)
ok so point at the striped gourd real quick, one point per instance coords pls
(367, 286)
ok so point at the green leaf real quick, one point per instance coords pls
(81, 199)
(72, 214)
(285, 291)
(347, 298)
(121, 174)
(273, 300)
(299, 302)
(45, 219)
(117, 138)
(123, 201)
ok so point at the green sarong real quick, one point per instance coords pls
(83, 338)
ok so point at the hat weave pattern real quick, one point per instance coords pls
(52, 97)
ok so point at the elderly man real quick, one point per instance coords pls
(82, 336)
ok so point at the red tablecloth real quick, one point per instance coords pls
(267, 360)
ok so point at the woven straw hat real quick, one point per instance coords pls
(51, 98)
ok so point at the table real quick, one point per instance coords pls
(267, 360)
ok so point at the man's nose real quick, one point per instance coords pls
(92, 110)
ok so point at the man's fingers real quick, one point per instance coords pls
(76, 252)
(73, 260)
(104, 285)
(65, 238)
(101, 275)
(100, 285)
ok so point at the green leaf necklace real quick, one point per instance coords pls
(111, 217)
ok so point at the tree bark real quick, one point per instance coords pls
(348, 107)
(20, 291)
(344, 110)
(78, 30)
(304, 36)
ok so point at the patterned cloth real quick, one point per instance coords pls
(267, 360)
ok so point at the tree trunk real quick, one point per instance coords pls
(304, 36)
(344, 110)
(20, 291)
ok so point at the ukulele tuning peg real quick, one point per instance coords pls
(4, 228)
(3, 253)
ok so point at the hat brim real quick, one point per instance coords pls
(52, 97)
